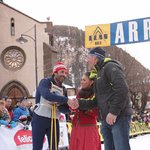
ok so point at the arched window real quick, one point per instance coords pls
(12, 27)
(14, 90)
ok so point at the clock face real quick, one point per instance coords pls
(13, 58)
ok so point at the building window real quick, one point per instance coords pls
(12, 28)
(13, 58)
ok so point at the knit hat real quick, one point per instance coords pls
(98, 51)
(59, 66)
(5, 98)
(23, 99)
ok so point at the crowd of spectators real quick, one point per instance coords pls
(143, 117)
(14, 112)
(20, 111)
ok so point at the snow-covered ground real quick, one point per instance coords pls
(141, 142)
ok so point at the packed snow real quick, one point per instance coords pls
(140, 142)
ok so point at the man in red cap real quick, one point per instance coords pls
(50, 93)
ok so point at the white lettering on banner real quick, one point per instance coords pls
(146, 29)
(133, 33)
(25, 139)
(119, 33)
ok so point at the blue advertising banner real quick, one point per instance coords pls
(126, 32)
(132, 31)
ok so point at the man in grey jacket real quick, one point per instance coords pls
(112, 99)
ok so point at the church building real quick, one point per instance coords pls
(26, 52)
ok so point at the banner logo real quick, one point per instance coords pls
(98, 35)
(23, 137)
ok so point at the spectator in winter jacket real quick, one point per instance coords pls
(5, 117)
(8, 105)
(21, 112)
(30, 107)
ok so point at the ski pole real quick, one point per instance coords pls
(51, 131)
(53, 126)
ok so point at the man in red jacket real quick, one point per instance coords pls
(8, 105)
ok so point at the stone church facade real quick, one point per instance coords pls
(23, 65)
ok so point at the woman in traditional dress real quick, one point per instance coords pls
(85, 135)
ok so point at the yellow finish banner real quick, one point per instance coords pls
(97, 36)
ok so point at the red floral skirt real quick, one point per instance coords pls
(85, 137)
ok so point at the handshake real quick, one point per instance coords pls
(73, 103)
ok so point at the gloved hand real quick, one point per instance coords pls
(13, 124)
(23, 118)
(8, 126)
(3, 122)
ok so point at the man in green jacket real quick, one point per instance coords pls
(112, 99)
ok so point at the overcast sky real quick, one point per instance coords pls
(81, 13)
